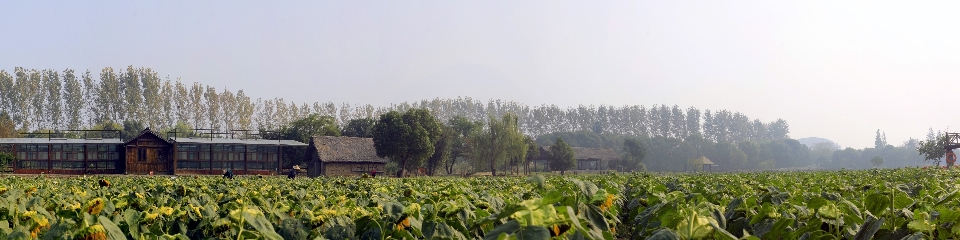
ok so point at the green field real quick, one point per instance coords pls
(881, 204)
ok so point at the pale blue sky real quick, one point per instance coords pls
(839, 70)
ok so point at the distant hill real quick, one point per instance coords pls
(812, 141)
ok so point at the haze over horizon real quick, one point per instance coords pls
(836, 70)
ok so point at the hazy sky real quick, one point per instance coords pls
(833, 69)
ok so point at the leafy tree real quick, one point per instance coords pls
(6, 159)
(533, 152)
(635, 152)
(109, 107)
(932, 148)
(442, 151)
(500, 141)
(302, 130)
(213, 108)
(73, 98)
(8, 92)
(406, 138)
(362, 127)
(152, 111)
(132, 102)
(8, 129)
(131, 128)
(562, 156)
(54, 106)
(313, 125)
(463, 129)
(876, 161)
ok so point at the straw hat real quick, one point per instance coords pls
(297, 167)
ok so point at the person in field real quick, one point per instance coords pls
(228, 174)
(293, 172)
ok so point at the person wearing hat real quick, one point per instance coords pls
(228, 174)
(293, 172)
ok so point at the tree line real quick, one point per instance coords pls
(51, 99)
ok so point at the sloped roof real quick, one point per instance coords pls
(705, 161)
(144, 132)
(582, 153)
(345, 149)
(596, 153)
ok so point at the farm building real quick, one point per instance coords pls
(146, 153)
(587, 158)
(343, 156)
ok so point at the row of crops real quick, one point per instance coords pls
(870, 204)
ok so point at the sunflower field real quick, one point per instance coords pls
(869, 204)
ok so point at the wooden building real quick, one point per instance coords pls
(343, 156)
(146, 153)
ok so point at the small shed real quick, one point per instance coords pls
(148, 153)
(702, 162)
(343, 156)
(587, 158)
(594, 158)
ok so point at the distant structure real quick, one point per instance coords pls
(704, 162)
(146, 153)
(343, 156)
(587, 158)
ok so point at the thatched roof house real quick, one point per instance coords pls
(342, 156)
(587, 158)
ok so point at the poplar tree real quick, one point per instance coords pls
(108, 95)
(73, 99)
(91, 106)
(182, 102)
(167, 103)
(151, 112)
(133, 94)
(37, 98)
(198, 109)
(54, 106)
(228, 106)
(245, 110)
(7, 93)
(213, 108)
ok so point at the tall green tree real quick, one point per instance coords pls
(313, 125)
(932, 148)
(37, 96)
(8, 129)
(362, 127)
(463, 129)
(91, 107)
(406, 138)
(152, 112)
(132, 94)
(54, 106)
(73, 99)
(562, 156)
(8, 92)
(302, 130)
(215, 118)
(634, 151)
(533, 152)
(499, 142)
(109, 107)
(245, 110)
(442, 150)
